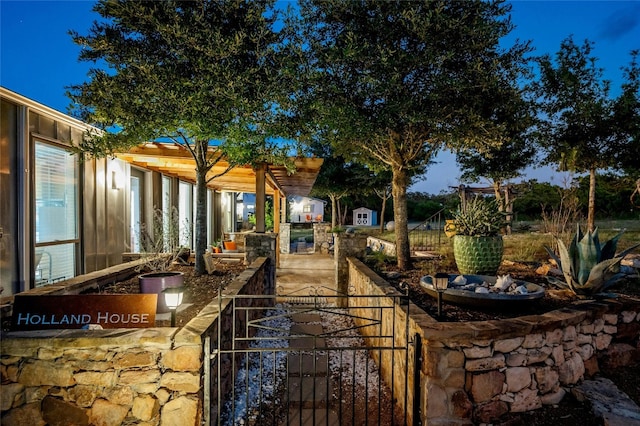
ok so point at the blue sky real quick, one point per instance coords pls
(38, 58)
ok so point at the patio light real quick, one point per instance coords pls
(440, 282)
(173, 299)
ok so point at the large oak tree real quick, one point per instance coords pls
(195, 73)
(396, 81)
(585, 129)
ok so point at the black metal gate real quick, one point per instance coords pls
(312, 360)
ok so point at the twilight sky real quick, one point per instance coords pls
(38, 59)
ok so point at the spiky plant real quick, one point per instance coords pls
(480, 217)
(589, 267)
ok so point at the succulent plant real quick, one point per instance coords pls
(480, 217)
(588, 267)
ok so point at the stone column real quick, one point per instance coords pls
(346, 245)
(263, 245)
(285, 237)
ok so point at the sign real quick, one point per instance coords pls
(83, 311)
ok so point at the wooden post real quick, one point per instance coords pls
(276, 222)
(260, 197)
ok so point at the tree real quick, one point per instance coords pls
(188, 72)
(506, 161)
(584, 129)
(394, 82)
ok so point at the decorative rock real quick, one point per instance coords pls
(526, 400)
(121, 395)
(487, 385)
(507, 345)
(569, 333)
(611, 319)
(58, 412)
(436, 401)
(82, 395)
(627, 316)
(517, 378)
(95, 378)
(602, 341)
(606, 398)
(130, 359)
(462, 406)
(478, 352)
(538, 355)
(180, 411)
(547, 379)
(145, 407)
(572, 370)
(617, 355)
(557, 354)
(489, 412)
(26, 415)
(553, 337)
(516, 360)
(104, 413)
(46, 373)
(182, 382)
(483, 364)
(9, 394)
(533, 341)
(553, 398)
(184, 358)
(585, 351)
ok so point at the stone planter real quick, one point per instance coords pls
(155, 282)
(478, 255)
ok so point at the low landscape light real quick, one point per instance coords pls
(173, 298)
(440, 283)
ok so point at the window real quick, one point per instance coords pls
(185, 209)
(56, 213)
(308, 208)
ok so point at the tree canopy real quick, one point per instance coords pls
(395, 82)
(584, 128)
(194, 73)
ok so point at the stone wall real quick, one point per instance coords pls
(376, 244)
(153, 376)
(322, 237)
(474, 372)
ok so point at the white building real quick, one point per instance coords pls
(306, 209)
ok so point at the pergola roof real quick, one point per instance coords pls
(175, 160)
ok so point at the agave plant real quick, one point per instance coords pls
(589, 268)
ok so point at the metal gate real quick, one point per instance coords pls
(312, 360)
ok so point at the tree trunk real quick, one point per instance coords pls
(384, 206)
(399, 191)
(333, 211)
(201, 219)
(591, 219)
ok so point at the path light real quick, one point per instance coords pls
(173, 299)
(440, 282)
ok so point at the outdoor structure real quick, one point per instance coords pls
(306, 209)
(365, 217)
(62, 217)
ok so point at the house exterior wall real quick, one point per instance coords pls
(104, 229)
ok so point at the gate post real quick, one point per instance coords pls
(263, 245)
(346, 245)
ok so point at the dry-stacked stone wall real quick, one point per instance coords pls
(153, 376)
(475, 372)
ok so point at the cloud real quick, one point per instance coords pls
(620, 23)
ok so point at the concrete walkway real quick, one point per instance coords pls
(301, 274)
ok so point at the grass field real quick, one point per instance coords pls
(528, 246)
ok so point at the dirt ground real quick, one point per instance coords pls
(201, 290)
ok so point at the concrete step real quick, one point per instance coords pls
(302, 363)
(307, 417)
(309, 392)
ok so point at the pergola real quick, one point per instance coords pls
(267, 179)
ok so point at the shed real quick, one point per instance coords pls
(365, 217)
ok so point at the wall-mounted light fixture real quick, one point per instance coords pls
(114, 180)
